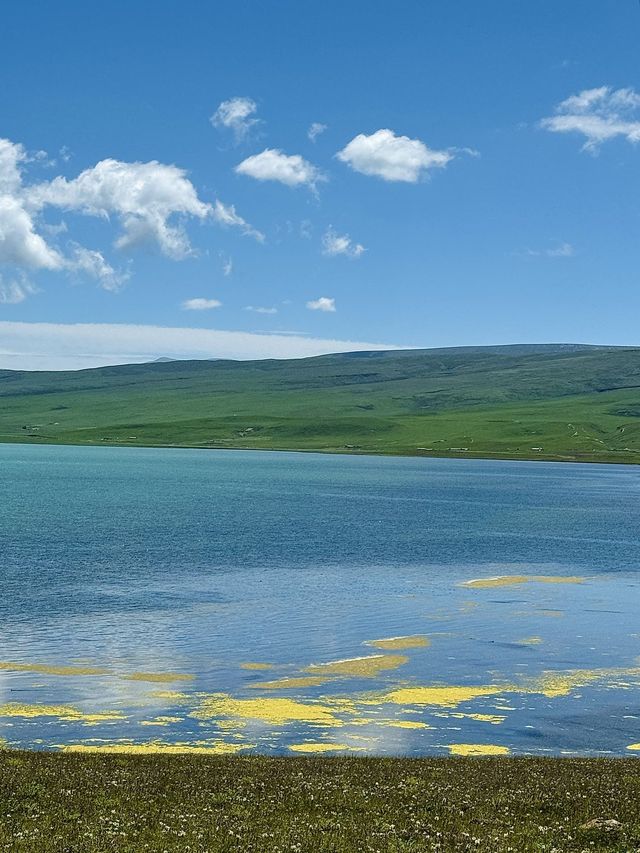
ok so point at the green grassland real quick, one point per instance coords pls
(524, 402)
(50, 803)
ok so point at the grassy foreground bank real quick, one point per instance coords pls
(53, 802)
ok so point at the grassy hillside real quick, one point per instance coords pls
(522, 402)
(95, 803)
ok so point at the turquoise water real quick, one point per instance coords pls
(140, 589)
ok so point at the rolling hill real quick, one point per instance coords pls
(558, 402)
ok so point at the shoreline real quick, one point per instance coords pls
(335, 451)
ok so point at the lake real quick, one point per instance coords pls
(221, 601)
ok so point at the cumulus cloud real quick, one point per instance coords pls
(392, 158)
(53, 346)
(237, 115)
(274, 165)
(20, 244)
(199, 303)
(258, 309)
(151, 202)
(315, 130)
(323, 303)
(598, 115)
(147, 198)
(226, 215)
(340, 244)
(12, 155)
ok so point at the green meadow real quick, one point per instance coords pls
(523, 402)
(198, 804)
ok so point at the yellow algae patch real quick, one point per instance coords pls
(530, 641)
(174, 695)
(635, 747)
(553, 684)
(494, 719)
(553, 613)
(446, 697)
(289, 683)
(403, 724)
(230, 725)
(256, 665)
(161, 721)
(154, 747)
(322, 747)
(478, 749)
(62, 712)
(268, 710)
(364, 667)
(515, 580)
(158, 676)
(51, 669)
(414, 642)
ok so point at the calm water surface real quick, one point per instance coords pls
(233, 601)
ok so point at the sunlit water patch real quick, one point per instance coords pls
(222, 603)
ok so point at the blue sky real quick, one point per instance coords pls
(474, 179)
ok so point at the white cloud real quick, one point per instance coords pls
(236, 114)
(323, 303)
(52, 346)
(151, 201)
(12, 154)
(391, 157)
(258, 309)
(200, 304)
(599, 115)
(145, 196)
(226, 215)
(315, 130)
(273, 165)
(340, 244)
(15, 291)
(20, 244)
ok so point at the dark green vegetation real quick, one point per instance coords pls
(523, 402)
(51, 802)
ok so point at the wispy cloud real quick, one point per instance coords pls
(322, 303)
(226, 215)
(227, 264)
(199, 303)
(562, 250)
(16, 290)
(391, 157)
(274, 165)
(237, 115)
(52, 346)
(340, 244)
(259, 309)
(315, 130)
(598, 115)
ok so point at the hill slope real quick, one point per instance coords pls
(554, 402)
